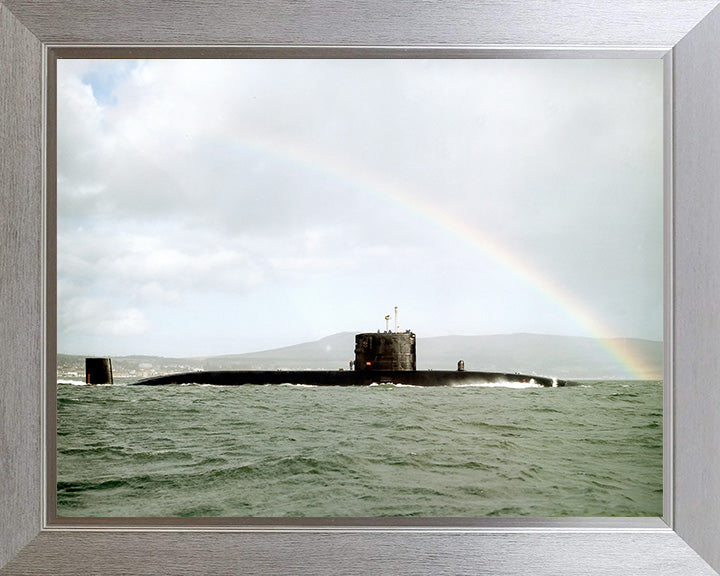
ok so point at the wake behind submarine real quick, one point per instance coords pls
(387, 357)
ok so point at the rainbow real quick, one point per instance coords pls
(361, 177)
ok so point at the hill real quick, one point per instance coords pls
(549, 355)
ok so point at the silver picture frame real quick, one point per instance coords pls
(684, 33)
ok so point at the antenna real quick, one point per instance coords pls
(397, 327)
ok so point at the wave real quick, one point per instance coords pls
(499, 384)
(69, 382)
(294, 385)
(201, 384)
(252, 453)
(392, 385)
(294, 469)
(72, 382)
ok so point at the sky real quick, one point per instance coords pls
(226, 206)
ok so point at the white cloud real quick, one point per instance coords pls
(98, 317)
(183, 181)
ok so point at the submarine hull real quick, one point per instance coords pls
(347, 378)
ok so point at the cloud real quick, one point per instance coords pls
(98, 317)
(184, 181)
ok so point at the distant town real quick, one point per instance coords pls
(73, 367)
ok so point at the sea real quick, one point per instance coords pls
(502, 450)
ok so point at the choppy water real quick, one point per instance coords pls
(295, 451)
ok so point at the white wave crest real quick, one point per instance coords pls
(73, 382)
(203, 384)
(81, 383)
(295, 385)
(499, 384)
(394, 385)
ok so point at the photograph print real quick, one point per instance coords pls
(359, 288)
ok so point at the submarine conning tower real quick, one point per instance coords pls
(385, 351)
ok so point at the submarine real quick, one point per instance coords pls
(387, 357)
